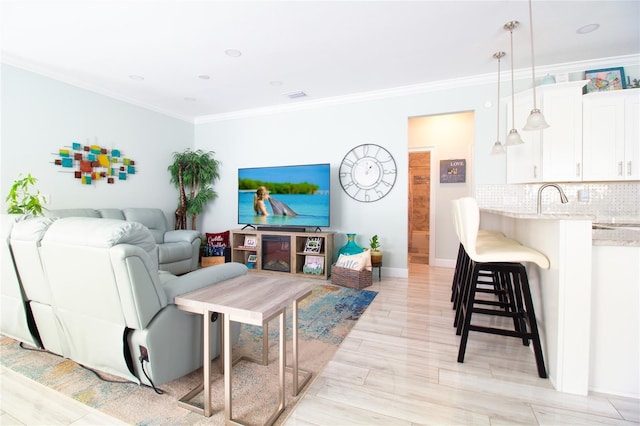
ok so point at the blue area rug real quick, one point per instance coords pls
(325, 318)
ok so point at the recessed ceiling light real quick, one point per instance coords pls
(275, 83)
(204, 77)
(234, 53)
(188, 99)
(586, 29)
(136, 77)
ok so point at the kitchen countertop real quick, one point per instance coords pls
(611, 233)
(616, 235)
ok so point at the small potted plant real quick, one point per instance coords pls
(22, 200)
(376, 253)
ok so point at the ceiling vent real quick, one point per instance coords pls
(295, 95)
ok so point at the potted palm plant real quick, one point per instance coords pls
(376, 253)
(22, 200)
(193, 173)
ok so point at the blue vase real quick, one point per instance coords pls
(351, 247)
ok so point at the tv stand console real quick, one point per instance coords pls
(308, 254)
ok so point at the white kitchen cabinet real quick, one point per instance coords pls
(553, 154)
(562, 141)
(523, 161)
(615, 321)
(611, 139)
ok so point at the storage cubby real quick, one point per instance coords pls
(284, 252)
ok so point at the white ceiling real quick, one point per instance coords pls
(324, 48)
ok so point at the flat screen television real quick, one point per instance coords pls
(298, 196)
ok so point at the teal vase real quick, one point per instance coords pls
(351, 247)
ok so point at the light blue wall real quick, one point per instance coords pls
(325, 135)
(41, 115)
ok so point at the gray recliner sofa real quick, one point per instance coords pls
(98, 296)
(178, 250)
(16, 318)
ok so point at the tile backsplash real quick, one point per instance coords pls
(605, 201)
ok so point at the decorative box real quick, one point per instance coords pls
(350, 277)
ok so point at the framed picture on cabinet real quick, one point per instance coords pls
(605, 79)
(250, 241)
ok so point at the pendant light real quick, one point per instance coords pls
(513, 138)
(536, 120)
(498, 148)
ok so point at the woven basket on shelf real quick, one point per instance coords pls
(350, 278)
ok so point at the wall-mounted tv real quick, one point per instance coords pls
(298, 196)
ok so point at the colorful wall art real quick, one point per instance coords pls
(92, 163)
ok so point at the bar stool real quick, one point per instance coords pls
(463, 262)
(503, 258)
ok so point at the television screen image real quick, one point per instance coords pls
(296, 195)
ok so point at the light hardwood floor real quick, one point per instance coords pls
(396, 367)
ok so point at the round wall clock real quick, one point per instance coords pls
(367, 173)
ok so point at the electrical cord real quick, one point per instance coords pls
(156, 390)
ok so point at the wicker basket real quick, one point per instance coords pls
(211, 261)
(350, 278)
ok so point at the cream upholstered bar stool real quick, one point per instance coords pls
(504, 258)
(463, 263)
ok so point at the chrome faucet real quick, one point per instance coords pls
(563, 197)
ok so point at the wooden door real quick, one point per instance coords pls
(419, 200)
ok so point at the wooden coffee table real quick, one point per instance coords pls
(251, 299)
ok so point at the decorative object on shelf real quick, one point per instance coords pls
(313, 265)
(94, 163)
(22, 200)
(313, 245)
(513, 138)
(252, 259)
(193, 173)
(453, 171)
(376, 253)
(536, 120)
(498, 148)
(351, 247)
(250, 242)
(367, 173)
(548, 79)
(605, 79)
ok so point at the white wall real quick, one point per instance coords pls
(326, 134)
(41, 115)
(449, 137)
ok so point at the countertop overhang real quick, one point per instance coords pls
(610, 233)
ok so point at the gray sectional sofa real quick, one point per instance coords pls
(90, 289)
(178, 251)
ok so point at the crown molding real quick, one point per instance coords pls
(309, 104)
(435, 86)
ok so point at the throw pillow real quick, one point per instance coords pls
(218, 239)
(357, 262)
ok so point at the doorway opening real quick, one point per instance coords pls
(419, 207)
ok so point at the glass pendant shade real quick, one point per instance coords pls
(498, 148)
(535, 121)
(513, 138)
